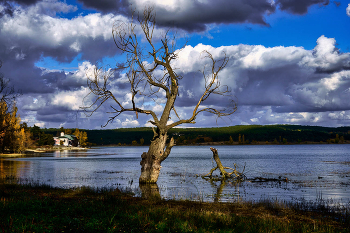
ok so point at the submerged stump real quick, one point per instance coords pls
(234, 174)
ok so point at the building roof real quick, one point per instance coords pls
(70, 137)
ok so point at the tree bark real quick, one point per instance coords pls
(151, 160)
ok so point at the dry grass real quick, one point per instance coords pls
(38, 208)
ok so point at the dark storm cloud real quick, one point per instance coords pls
(299, 6)
(91, 49)
(54, 118)
(56, 114)
(20, 69)
(61, 81)
(95, 49)
(21, 2)
(116, 6)
(8, 9)
(334, 69)
(195, 15)
(52, 110)
(43, 7)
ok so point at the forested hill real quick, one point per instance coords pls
(247, 134)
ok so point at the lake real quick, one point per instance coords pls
(314, 172)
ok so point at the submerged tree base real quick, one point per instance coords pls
(234, 174)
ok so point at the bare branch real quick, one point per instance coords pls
(98, 83)
(212, 86)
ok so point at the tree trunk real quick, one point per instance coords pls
(151, 160)
(218, 163)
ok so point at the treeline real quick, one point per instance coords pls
(30, 137)
(271, 134)
(248, 134)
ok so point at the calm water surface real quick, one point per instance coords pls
(313, 171)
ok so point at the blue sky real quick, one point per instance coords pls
(287, 29)
(289, 59)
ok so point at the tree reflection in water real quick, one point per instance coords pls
(149, 191)
(219, 188)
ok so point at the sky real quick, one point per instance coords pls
(289, 60)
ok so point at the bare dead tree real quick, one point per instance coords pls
(143, 59)
(234, 174)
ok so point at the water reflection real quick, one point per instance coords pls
(310, 169)
(234, 186)
(70, 153)
(14, 168)
(149, 191)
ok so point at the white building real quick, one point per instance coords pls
(66, 140)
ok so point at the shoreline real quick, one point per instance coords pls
(226, 143)
(223, 143)
(42, 150)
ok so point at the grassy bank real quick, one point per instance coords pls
(38, 208)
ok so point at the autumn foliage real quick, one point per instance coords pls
(82, 137)
(13, 137)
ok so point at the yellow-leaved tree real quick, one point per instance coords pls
(12, 137)
(82, 137)
(4, 119)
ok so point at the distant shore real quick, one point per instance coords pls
(227, 143)
(222, 143)
(42, 150)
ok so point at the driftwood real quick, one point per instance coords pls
(239, 176)
(262, 179)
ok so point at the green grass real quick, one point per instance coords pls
(38, 208)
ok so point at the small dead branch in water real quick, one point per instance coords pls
(235, 174)
(262, 179)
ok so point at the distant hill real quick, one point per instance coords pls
(242, 134)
